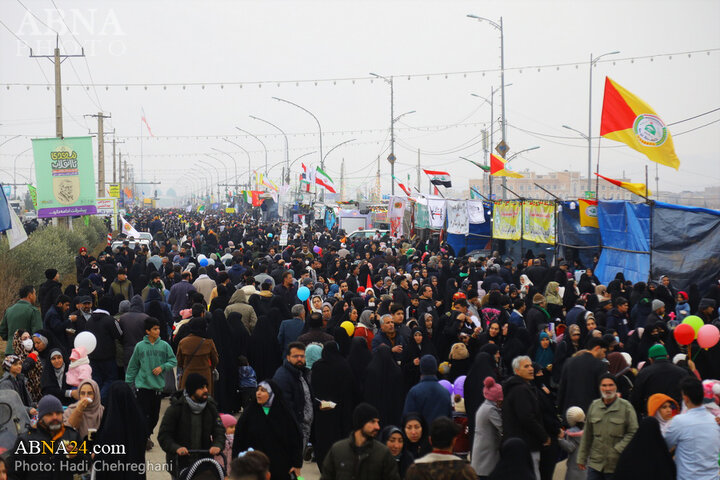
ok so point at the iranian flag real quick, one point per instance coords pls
(438, 178)
(322, 178)
(252, 197)
(304, 180)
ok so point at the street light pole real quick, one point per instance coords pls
(499, 26)
(316, 121)
(287, 148)
(15, 169)
(231, 158)
(589, 134)
(249, 184)
(217, 172)
(391, 158)
(261, 143)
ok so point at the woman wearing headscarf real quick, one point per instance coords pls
(268, 425)
(121, 424)
(222, 299)
(415, 348)
(416, 435)
(392, 437)
(525, 286)
(365, 327)
(571, 294)
(265, 354)
(543, 352)
(86, 414)
(460, 361)
(515, 462)
(451, 287)
(53, 380)
(332, 385)
(156, 307)
(554, 300)
(620, 368)
(493, 334)
(588, 282)
(358, 359)
(197, 354)
(343, 340)
(483, 366)
(228, 351)
(550, 420)
(32, 366)
(646, 456)
(570, 344)
(384, 386)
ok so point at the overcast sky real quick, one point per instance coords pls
(182, 42)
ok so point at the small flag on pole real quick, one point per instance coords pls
(639, 189)
(146, 122)
(439, 179)
(403, 187)
(322, 178)
(498, 167)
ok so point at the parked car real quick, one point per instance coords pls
(360, 234)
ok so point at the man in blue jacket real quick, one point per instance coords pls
(291, 329)
(428, 398)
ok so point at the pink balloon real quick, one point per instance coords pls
(708, 336)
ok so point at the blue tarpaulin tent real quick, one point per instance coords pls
(479, 237)
(625, 232)
(585, 240)
(686, 245)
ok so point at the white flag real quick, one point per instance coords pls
(128, 229)
(16, 234)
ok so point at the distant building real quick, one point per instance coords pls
(566, 185)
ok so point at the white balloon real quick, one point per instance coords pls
(87, 340)
(200, 257)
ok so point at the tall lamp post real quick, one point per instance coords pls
(249, 184)
(231, 158)
(287, 148)
(217, 172)
(499, 27)
(593, 62)
(221, 163)
(391, 158)
(316, 121)
(261, 143)
(492, 123)
(15, 170)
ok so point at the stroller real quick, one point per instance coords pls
(203, 469)
(14, 419)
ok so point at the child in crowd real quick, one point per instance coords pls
(247, 382)
(682, 307)
(229, 423)
(570, 441)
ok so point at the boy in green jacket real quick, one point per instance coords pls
(151, 357)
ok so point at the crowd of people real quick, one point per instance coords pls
(376, 358)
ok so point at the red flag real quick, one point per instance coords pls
(146, 122)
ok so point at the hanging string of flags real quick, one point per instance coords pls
(225, 86)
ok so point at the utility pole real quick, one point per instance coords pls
(377, 182)
(101, 152)
(113, 154)
(418, 171)
(342, 180)
(57, 59)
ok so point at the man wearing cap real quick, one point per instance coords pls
(49, 290)
(706, 310)
(360, 456)
(611, 424)
(122, 286)
(191, 422)
(441, 463)
(63, 463)
(657, 314)
(617, 318)
(661, 376)
(428, 397)
(537, 314)
(22, 315)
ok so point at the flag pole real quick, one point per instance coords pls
(646, 185)
(597, 172)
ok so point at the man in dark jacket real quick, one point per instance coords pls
(24, 462)
(315, 332)
(178, 297)
(661, 376)
(291, 378)
(537, 314)
(191, 422)
(360, 456)
(58, 323)
(81, 263)
(49, 291)
(102, 360)
(401, 294)
(617, 319)
(521, 413)
(132, 325)
(581, 376)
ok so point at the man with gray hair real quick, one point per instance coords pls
(390, 337)
(521, 414)
(291, 329)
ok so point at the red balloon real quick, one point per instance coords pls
(684, 334)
